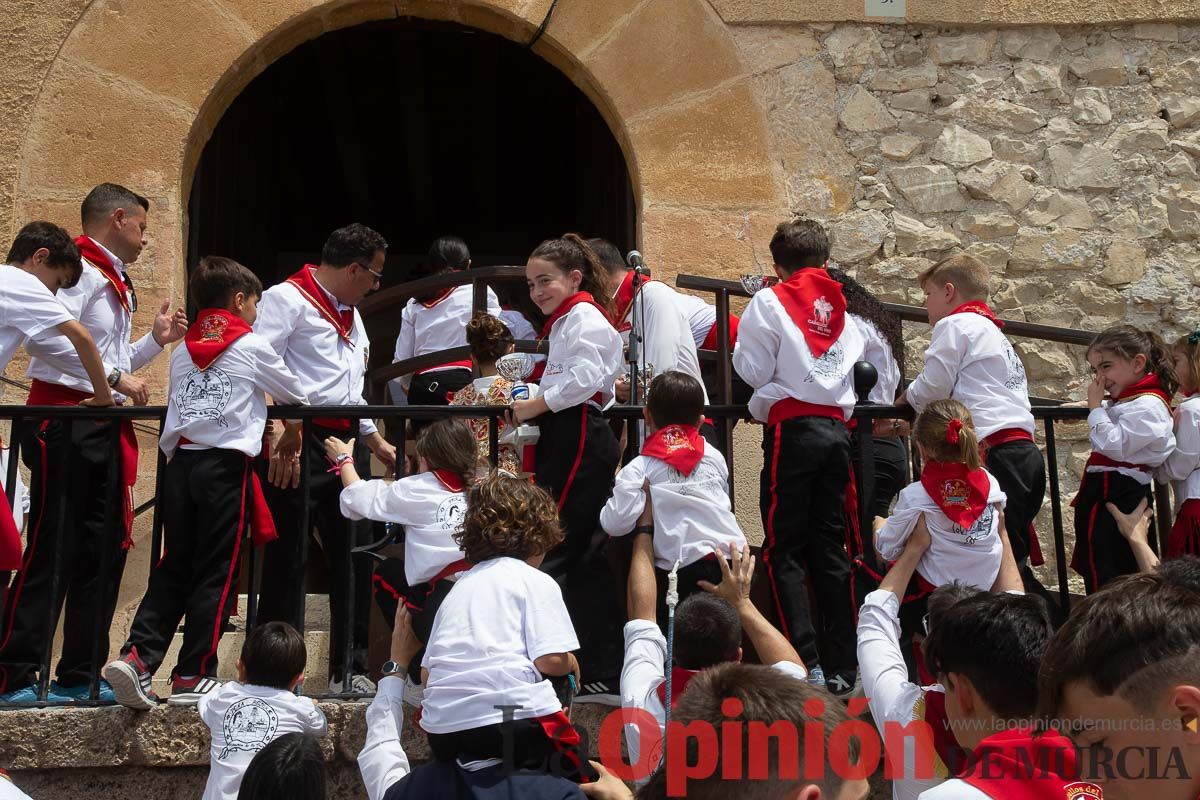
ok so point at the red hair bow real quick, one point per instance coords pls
(952, 430)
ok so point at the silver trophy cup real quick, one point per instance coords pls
(516, 368)
(756, 283)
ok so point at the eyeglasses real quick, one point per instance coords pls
(377, 275)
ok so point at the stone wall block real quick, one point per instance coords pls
(1090, 107)
(959, 148)
(1143, 135)
(987, 226)
(1126, 263)
(1036, 250)
(971, 48)
(854, 45)
(1183, 111)
(994, 113)
(904, 79)
(914, 236)
(999, 182)
(857, 236)
(929, 188)
(1034, 44)
(1090, 167)
(863, 112)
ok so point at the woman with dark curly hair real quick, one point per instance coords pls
(885, 351)
(500, 633)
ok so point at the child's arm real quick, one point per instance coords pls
(89, 357)
(1008, 579)
(557, 664)
(771, 645)
(943, 359)
(273, 377)
(382, 761)
(1135, 528)
(1144, 427)
(757, 347)
(629, 499)
(377, 500)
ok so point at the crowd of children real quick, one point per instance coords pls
(505, 590)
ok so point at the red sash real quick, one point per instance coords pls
(680, 678)
(1149, 385)
(10, 537)
(1185, 533)
(710, 341)
(959, 492)
(566, 305)
(982, 309)
(1101, 460)
(305, 282)
(681, 446)
(1017, 765)
(212, 332)
(1004, 436)
(816, 305)
(101, 261)
(790, 407)
(42, 393)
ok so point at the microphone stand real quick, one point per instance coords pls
(633, 355)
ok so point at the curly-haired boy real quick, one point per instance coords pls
(500, 632)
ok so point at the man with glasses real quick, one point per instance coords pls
(95, 537)
(311, 322)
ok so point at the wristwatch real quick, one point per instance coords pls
(114, 378)
(392, 668)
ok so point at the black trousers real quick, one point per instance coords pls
(741, 389)
(522, 744)
(1101, 552)
(802, 495)
(891, 473)
(206, 503)
(92, 558)
(391, 588)
(1021, 473)
(281, 592)
(577, 456)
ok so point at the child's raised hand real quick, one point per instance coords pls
(1095, 391)
(335, 447)
(1135, 527)
(736, 577)
(405, 644)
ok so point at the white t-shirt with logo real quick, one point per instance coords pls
(500, 617)
(27, 308)
(244, 719)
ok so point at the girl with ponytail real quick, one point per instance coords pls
(1131, 435)
(1182, 467)
(960, 500)
(431, 505)
(577, 454)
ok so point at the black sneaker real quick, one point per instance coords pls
(604, 693)
(130, 682)
(843, 684)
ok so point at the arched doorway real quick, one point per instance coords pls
(418, 128)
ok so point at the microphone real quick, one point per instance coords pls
(634, 260)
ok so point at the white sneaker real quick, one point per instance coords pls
(359, 684)
(414, 693)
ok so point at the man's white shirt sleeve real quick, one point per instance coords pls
(382, 761)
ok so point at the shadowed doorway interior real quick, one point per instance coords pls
(418, 129)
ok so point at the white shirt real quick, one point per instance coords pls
(224, 405)
(27, 308)
(967, 556)
(92, 302)
(430, 513)
(1135, 431)
(244, 719)
(9, 791)
(439, 326)
(692, 513)
(500, 617)
(878, 353)
(382, 761)
(666, 342)
(701, 316)
(773, 356)
(1182, 467)
(892, 697)
(20, 504)
(331, 369)
(584, 359)
(971, 361)
(644, 670)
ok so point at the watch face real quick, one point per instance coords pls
(392, 668)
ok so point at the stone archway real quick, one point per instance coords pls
(138, 86)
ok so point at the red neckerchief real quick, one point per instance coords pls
(451, 480)
(1018, 765)
(982, 309)
(1187, 396)
(433, 301)
(1148, 385)
(566, 305)
(815, 303)
(101, 261)
(680, 678)
(626, 295)
(305, 282)
(959, 492)
(212, 332)
(681, 446)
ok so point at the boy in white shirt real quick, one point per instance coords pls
(499, 632)
(246, 715)
(42, 260)
(688, 482)
(216, 415)
(797, 347)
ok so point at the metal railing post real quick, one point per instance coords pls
(114, 519)
(305, 524)
(64, 510)
(1060, 542)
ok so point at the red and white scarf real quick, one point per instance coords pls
(305, 282)
(212, 333)
(982, 309)
(565, 307)
(681, 446)
(625, 296)
(99, 259)
(680, 678)
(1149, 385)
(961, 493)
(815, 303)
